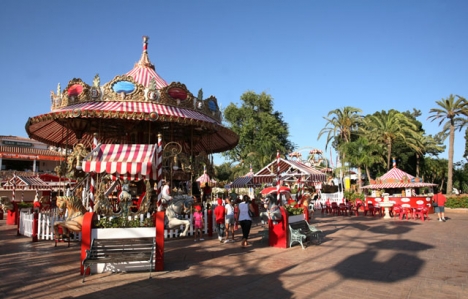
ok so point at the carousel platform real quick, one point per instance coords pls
(360, 257)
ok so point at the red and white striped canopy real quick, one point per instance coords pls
(395, 178)
(125, 161)
(143, 76)
(289, 170)
(26, 183)
(204, 178)
(396, 173)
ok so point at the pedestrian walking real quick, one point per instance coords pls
(198, 224)
(230, 220)
(439, 207)
(220, 213)
(245, 218)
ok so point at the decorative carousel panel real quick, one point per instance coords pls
(76, 91)
(123, 88)
(212, 105)
(176, 94)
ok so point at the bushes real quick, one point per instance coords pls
(353, 196)
(457, 202)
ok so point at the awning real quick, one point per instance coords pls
(289, 171)
(242, 182)
(125, 161)
(396, 178)
(19, 182)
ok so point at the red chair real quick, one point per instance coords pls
(335, 208)
(377, 209)
(399, 210)
(422, 212)
(369, 209)
(343, 209)
(355, 208)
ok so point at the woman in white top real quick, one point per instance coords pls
(229, 221)
(244, 218)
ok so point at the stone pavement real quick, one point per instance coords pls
(360, 257)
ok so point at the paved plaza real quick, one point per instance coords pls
(360, 257)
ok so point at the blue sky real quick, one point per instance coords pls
(311, 56)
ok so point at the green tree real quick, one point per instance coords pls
(360, 153)
(341, 125)
(450, 111)
(262, 131)
(387, 127)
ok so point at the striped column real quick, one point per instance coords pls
(159, 152)
(278, 180)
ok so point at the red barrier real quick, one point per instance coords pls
(35, 227)
(12, 215)
(159, 219)
(278, 233)
(86, 238)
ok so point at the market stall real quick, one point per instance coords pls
(401, 187)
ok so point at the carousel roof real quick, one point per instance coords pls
(144, 71)
(132, 108)
(397, 178)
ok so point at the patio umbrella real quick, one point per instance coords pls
(270, 190)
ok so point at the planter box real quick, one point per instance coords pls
(295, 218)
(126, 233)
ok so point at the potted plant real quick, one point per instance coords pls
(295, 213)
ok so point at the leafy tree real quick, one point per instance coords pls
(387, 127)
(434, 171)
(262, 131)
(451, 111)
(341, 125)
(223, 172)
(360, 153)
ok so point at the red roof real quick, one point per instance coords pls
(127, 161)
(396, 178)
(396, 173)
(144, 70)
(289, 171)
(26, 182)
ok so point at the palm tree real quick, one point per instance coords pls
(385, 127)
(451, 110)
(341, 123)
(361, 153)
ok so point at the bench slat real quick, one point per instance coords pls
(120, 250)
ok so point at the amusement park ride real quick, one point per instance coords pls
(135, 128)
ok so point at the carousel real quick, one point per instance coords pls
(130, 140)
(129, 123)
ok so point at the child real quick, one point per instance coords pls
(198, 223)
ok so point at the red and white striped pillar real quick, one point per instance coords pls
(159, 152)
(278, 175)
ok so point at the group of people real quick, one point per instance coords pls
(226, 218)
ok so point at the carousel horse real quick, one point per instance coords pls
(74, 220)
(125, 199)
(273, 212)
(179, 204)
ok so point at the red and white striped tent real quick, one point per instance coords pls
(396, 178)
(243, 181)
(124, 161)
(289, 171)
(20, 182)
